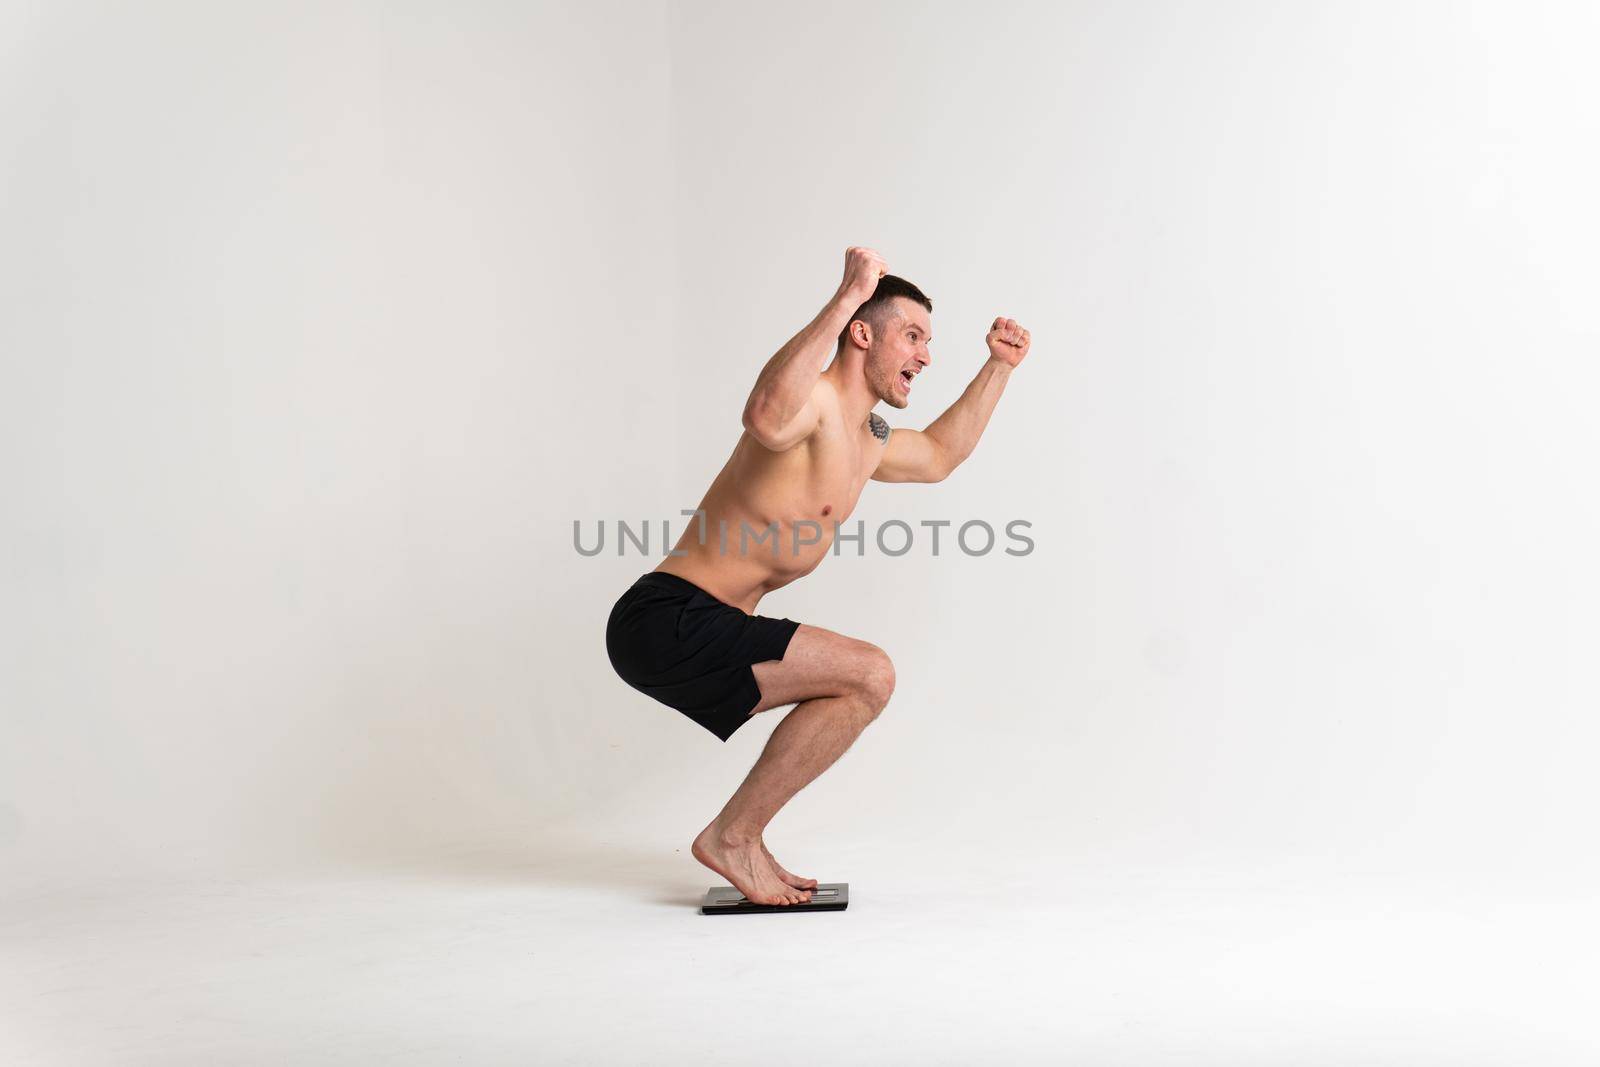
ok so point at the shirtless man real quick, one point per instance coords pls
(687, 634)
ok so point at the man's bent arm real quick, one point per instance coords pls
(931, 455)
(958, 429)
(779, 412)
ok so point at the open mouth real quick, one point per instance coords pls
(905, 380)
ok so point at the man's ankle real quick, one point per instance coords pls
(735, 835)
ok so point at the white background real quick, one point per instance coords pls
(323, 324)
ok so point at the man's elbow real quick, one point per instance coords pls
(761, 427)
(930, 470)
(756, 422)
(942, 463)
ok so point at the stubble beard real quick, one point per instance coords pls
(890, 394)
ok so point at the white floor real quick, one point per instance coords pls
(591, 951)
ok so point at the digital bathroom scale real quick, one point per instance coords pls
(726, 900)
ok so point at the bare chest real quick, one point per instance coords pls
(840, 469)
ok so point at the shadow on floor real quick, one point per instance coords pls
(662, 876)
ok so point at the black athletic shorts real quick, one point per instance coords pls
(678, 644)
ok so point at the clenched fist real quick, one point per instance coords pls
(862, 269)
(1007, 342)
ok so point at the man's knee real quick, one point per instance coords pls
(877, 677)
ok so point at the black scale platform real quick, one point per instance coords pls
(726, 900)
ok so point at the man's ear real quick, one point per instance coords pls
(861, 333)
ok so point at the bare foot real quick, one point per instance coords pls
(789, 879)
(744, 864)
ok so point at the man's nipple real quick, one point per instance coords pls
(826, 508)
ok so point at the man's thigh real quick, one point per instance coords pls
(817, 663)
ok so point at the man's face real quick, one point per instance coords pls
(899, 351)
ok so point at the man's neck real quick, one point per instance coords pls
(849, 381)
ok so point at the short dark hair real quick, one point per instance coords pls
(873, 311)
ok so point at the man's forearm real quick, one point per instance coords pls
(958, 429)
(785, 383)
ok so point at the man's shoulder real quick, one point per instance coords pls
(879, 428)
(824, 392)
(826, 400)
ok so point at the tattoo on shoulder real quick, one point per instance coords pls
(880, 429)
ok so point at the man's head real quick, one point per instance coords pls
(892, 331)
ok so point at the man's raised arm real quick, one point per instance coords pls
(780, 412)
(930, 455)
